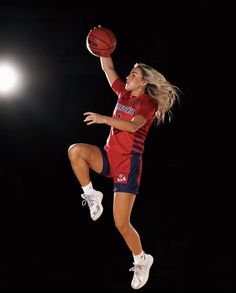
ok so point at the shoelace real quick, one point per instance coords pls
(137, 270)
(89, 199)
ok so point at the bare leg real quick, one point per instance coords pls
(84, 157)
(123, 203)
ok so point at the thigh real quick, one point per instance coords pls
(93, 156)
(122, 207)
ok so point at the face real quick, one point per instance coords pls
(135, 82)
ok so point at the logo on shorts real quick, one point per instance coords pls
(121, 178)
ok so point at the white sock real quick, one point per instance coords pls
(88, 189)
(138, 258)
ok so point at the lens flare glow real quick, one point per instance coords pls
(9, 78)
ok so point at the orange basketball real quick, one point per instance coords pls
(101, 42)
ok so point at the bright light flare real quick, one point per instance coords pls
(10, 80)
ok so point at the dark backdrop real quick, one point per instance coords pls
(48, 241)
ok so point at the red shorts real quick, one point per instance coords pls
(124, 169)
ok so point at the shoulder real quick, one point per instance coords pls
(118, 86)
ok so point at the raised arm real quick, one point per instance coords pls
(108, 68)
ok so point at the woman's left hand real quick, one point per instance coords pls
(94, 118)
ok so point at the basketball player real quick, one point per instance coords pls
(144, 96)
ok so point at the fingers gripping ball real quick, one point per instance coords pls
(101, 42)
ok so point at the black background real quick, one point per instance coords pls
(48, 241)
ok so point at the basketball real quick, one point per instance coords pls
(101, 42)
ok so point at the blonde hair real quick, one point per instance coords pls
(162, 91)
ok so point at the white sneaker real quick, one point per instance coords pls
(94, 202)
(141, 272)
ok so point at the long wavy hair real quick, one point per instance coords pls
(162, 91)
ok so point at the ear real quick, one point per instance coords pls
(144, 83)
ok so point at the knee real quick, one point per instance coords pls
(122, 226)
(74, 151)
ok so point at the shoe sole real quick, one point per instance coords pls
(98, 214)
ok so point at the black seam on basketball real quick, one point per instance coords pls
(110, 38)
(101, 40)
(107, 35)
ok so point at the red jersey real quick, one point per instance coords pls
(126, 108)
